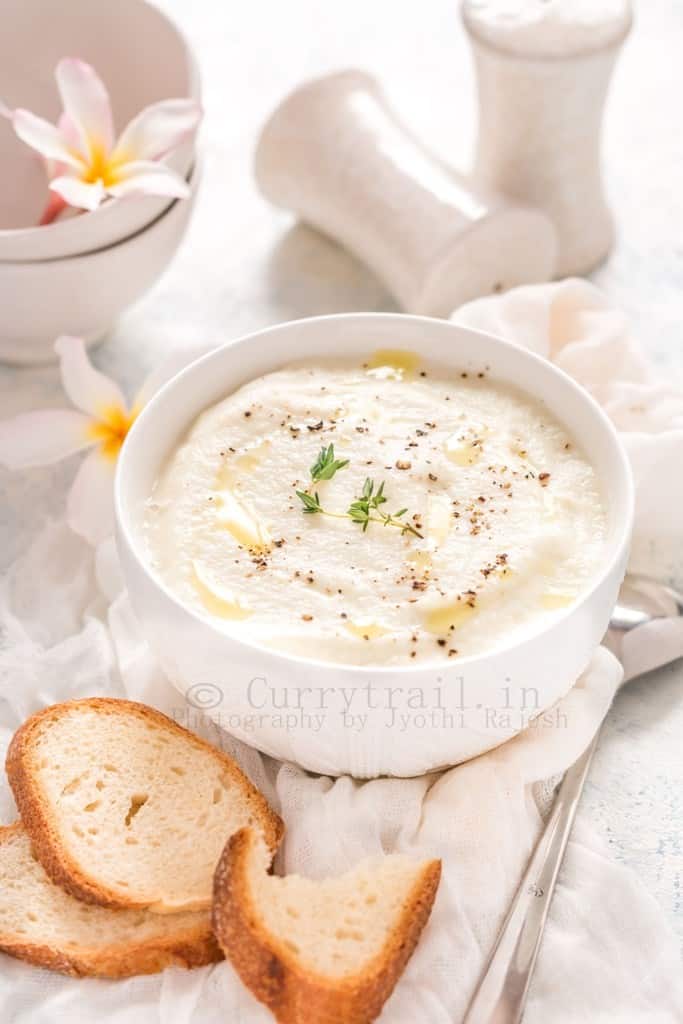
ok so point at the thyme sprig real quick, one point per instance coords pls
(311, 502)
(364, 510)
(325, 466)
(361, 510)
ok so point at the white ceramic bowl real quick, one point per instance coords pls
(83, 295)
(116, 40)
(262, 695)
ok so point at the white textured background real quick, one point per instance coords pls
(245, 265)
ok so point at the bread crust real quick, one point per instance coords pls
(62, 868)
(190, 947)
(294, 993)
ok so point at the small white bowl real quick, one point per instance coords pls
(244, 686)
(83, 295)
(114, 38)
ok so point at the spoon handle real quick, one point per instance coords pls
(501, 994)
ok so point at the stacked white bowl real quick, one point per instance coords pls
(76, 275)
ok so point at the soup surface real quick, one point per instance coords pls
(383, 514)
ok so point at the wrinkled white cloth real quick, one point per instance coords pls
(607, 955)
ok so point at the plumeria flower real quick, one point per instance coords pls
(100, 422)
(85, 162)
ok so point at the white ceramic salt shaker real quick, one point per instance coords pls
(543, 69)
(335, 154)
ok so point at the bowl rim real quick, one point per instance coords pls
(620, 544)
(193, 178)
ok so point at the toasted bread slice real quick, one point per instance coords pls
(329, 951)
(41, 923)
(125, 808)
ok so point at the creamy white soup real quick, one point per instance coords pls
(383, 514)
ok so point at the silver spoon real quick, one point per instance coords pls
(501, 994)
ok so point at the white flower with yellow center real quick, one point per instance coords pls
(100, 422)
(86, 163)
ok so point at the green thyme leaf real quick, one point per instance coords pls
(325, 466)
(311, 502)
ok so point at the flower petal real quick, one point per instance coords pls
(68, 130)
(69, 133)
(90, 504)
(55, 205)
(157, 129)
(44, 137)
(144, 177)
(86, 102)
(87, 388)
(40, 438)
(5, 111)
(78, 193)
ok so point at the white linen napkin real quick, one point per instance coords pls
(607, 956)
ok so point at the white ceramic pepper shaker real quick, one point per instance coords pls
(334, 153)
(543, 69)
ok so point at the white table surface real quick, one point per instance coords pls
(245, 265)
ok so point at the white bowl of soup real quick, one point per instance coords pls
(373, 543)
